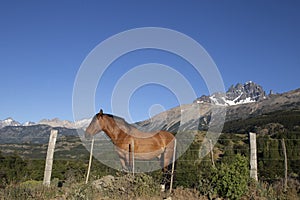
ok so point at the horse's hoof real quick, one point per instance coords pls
(162, 188)
(125, 170)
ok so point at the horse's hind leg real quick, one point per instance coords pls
(167, 158)
(162, 164)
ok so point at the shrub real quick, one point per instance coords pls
(80, 191)
(127, 186)
(231, 180)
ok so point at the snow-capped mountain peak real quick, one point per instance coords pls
(245, 93)
(57, 123)
(80, 124)
(29, 123)
(238, 94)
(9, 122)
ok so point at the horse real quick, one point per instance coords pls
(147, 145)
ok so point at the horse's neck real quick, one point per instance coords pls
(113, 132)
(110, 133)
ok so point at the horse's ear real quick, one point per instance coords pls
(101, 112)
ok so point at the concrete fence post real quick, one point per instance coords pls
(49, 158)
(253, 156)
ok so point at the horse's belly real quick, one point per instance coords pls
(148, 155)
(140, 153)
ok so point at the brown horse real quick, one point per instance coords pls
(147, 146)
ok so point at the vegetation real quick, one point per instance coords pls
(194, 178)
(231, 179)
(288, 119)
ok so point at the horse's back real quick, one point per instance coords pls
(166, 136)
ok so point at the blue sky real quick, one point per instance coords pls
(43, 43)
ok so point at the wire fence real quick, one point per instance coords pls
(270, 159)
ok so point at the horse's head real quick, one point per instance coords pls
(95, 126)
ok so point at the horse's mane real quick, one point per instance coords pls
(115, 117)
(120, 121)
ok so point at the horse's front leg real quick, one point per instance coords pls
(122, 157)
(123, 163)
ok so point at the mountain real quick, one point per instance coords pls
(36, 134)
(241, 102)
(50, 122)
(80, 124)
(248, 92)
(238, 94)
(57, 123)
(29, 123)
(9, 122)
(13, 132)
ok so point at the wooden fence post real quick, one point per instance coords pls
(285, 164)
(211, 153)
(173, 165)
(90, 161)
(133, 158)
(253, 156)
(49, 158)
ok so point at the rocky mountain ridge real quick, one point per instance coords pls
(35, 134)
(9, 122)
(235, 95)
(171, 119)
(56, 122)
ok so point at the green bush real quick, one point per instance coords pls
(230, 180)
(186, 169)
(12, 168)
(205, 184)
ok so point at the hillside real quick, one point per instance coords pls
(170, 119)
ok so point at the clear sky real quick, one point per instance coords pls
(43, 43)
